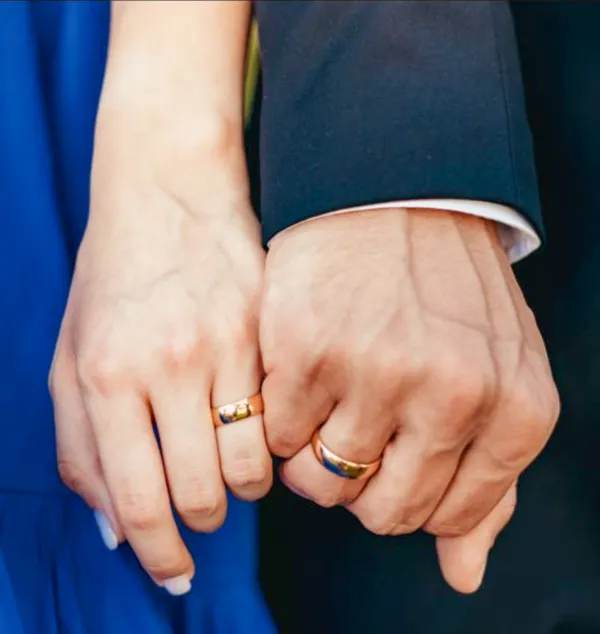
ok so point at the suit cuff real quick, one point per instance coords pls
(517, 235)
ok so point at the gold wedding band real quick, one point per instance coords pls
(233, 412)
(338, 465)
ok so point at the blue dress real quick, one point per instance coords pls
(56, 576)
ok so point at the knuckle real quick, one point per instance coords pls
(459, 393)
(53, 387)
(180, 353)
(334, 494)
(101, 371)
(508, 509)
(509, 457)
(383, 369)
(201, 503)
(554, 404)
(407, 527)
(530, 427)
(283, 440)
(505, 510)
(412, 516)
(246, 471)
(412, 362)
(461, 386)
(167, 569)
(379, 524)
(513, 452)
(58, 388)
(393, 367)
(453, 521)
(546, 408)
(210, 521)
(381, 517)
(288, 416)
(73, 475)
(452, 528)
(60, 378)
(329, 499)
(138, 512)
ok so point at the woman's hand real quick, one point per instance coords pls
(161, 323)
(162, 317)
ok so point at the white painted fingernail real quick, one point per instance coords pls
(109, 537)
(177, 585)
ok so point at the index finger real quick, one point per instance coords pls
(133, 469)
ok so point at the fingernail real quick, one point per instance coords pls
(176, 586)
(109, 537)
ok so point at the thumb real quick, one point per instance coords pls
(463, 559)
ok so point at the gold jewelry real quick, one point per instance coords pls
(338, 465)
(233, 412)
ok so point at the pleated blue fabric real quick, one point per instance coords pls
(56, 576)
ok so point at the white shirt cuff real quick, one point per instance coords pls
(517, 236)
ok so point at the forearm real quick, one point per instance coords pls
(179, 66)
(173, 96)
(390, 101)
(194, 50)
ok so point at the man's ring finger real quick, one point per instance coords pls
(340, 466)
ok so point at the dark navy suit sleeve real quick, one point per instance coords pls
(367, 102)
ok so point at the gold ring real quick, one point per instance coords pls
(338, 465)
(233, 412)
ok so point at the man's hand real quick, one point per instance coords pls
(404, 335)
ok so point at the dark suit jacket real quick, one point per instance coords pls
(376, 101)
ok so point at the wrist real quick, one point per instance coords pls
(189, 157)
(184, 57)
(396, 231)
(185, 132)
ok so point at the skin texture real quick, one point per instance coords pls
(162, 317)
(404, 334)
(395, 332)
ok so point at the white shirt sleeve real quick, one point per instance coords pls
(516, 234)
